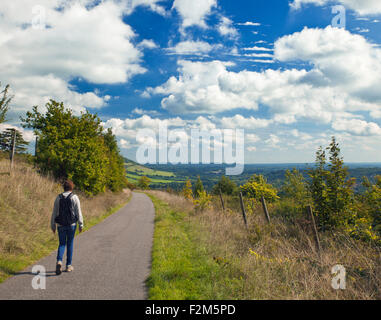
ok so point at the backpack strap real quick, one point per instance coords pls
(68, 197)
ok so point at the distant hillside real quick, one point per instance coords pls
(159, 178)
(175, 176)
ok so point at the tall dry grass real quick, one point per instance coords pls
(26, 203)
(279, 261)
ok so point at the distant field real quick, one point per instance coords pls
(135, 178)
(135, 171)
(144, 171)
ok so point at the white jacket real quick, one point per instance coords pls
(77, 210)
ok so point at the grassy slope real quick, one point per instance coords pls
(141, 170)
(210, 256)
(136, 171)
(133, 178)
(25, 208)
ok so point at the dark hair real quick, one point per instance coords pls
(68, 185)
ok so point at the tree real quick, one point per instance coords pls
(257, 187)
(187, 190)
(116, 170)
(340, 186)
(198, 188)
(331, 188)
(144, 183)
(373, 201)
(225, 185)
(4, 102)
(75, 147)
(317, 184)
(6, 141)
(295, 187)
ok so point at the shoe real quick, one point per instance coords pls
(59, 268)
(69, 268)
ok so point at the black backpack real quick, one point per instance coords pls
(66, 216)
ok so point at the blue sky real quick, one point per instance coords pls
(278, 69)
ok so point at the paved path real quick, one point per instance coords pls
(112, 261)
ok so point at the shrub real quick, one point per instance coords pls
(226, 186)
(144, 183)
(198, 187)
(203, 201)
(257, 187)
(187, 190)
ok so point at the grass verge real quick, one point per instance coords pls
(182, 268)
(210, 255)
(26, 204)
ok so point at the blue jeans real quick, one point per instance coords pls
(66, 237)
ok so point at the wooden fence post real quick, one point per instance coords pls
(12, 153)
(243, 209)
(317, 240)
(222, 201)
(265, 209)
(35, 147)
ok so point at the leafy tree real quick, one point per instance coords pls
(75, 147)
(4, 102)
(116, 170)
(331, 188)
(6, 141)
(226, 186)
(295, 187)
(198, 188)
(318, 186)
(187, 190)
(373, 201)
(144, 183)
(257, 187)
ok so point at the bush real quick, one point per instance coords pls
(187, 190)
(203, 201)
(289, 210)
(144, 183)
(198, 187)
(257, 187)
(225, 186)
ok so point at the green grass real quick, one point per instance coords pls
(46, 244)
(135, 178)
(135, 172)
(141, 170)
(182, 266)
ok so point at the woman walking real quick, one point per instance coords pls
(66, 214)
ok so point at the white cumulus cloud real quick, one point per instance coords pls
(76, 42)
(343, 80)
(357, 127)
(226, 28)
(190, 47)
(194, 12)
(362, 7)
